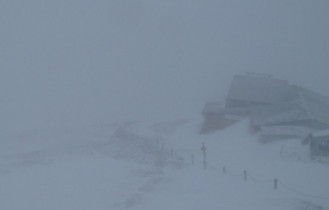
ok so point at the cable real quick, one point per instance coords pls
(301, 193)
(251, 177)
(258, 180)
(233, 174)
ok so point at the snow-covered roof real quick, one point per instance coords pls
(260, 89)
(309, 106)
(278, 113)
(315, 104)
(321, 133)
(296, 131)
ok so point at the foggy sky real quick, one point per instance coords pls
(72, 62)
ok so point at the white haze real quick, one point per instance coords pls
(74, 62)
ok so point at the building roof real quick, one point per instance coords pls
(278, 113)
(309, 106)
(321, 133)
(288, 131)
(260, 89)
(316, 105)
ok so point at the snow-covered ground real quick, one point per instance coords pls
(158, 165)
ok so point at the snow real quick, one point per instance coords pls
(321, 133)
(296, 131)
(148, 165)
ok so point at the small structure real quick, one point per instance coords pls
(320, 143)
(276, 109)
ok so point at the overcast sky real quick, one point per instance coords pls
(72, 62)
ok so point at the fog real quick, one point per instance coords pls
(78, 62)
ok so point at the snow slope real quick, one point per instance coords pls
(149, 165)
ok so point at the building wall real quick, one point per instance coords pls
(320, 146)
(214, 122)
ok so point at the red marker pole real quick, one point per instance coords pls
(203, 149)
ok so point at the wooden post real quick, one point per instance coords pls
(224, 170)
(192, 159)
(245, 175)
(275, 183)
(203, 149)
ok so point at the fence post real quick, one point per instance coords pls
(224, 170)
(281, 151)
(192, 159)
(245, 175)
